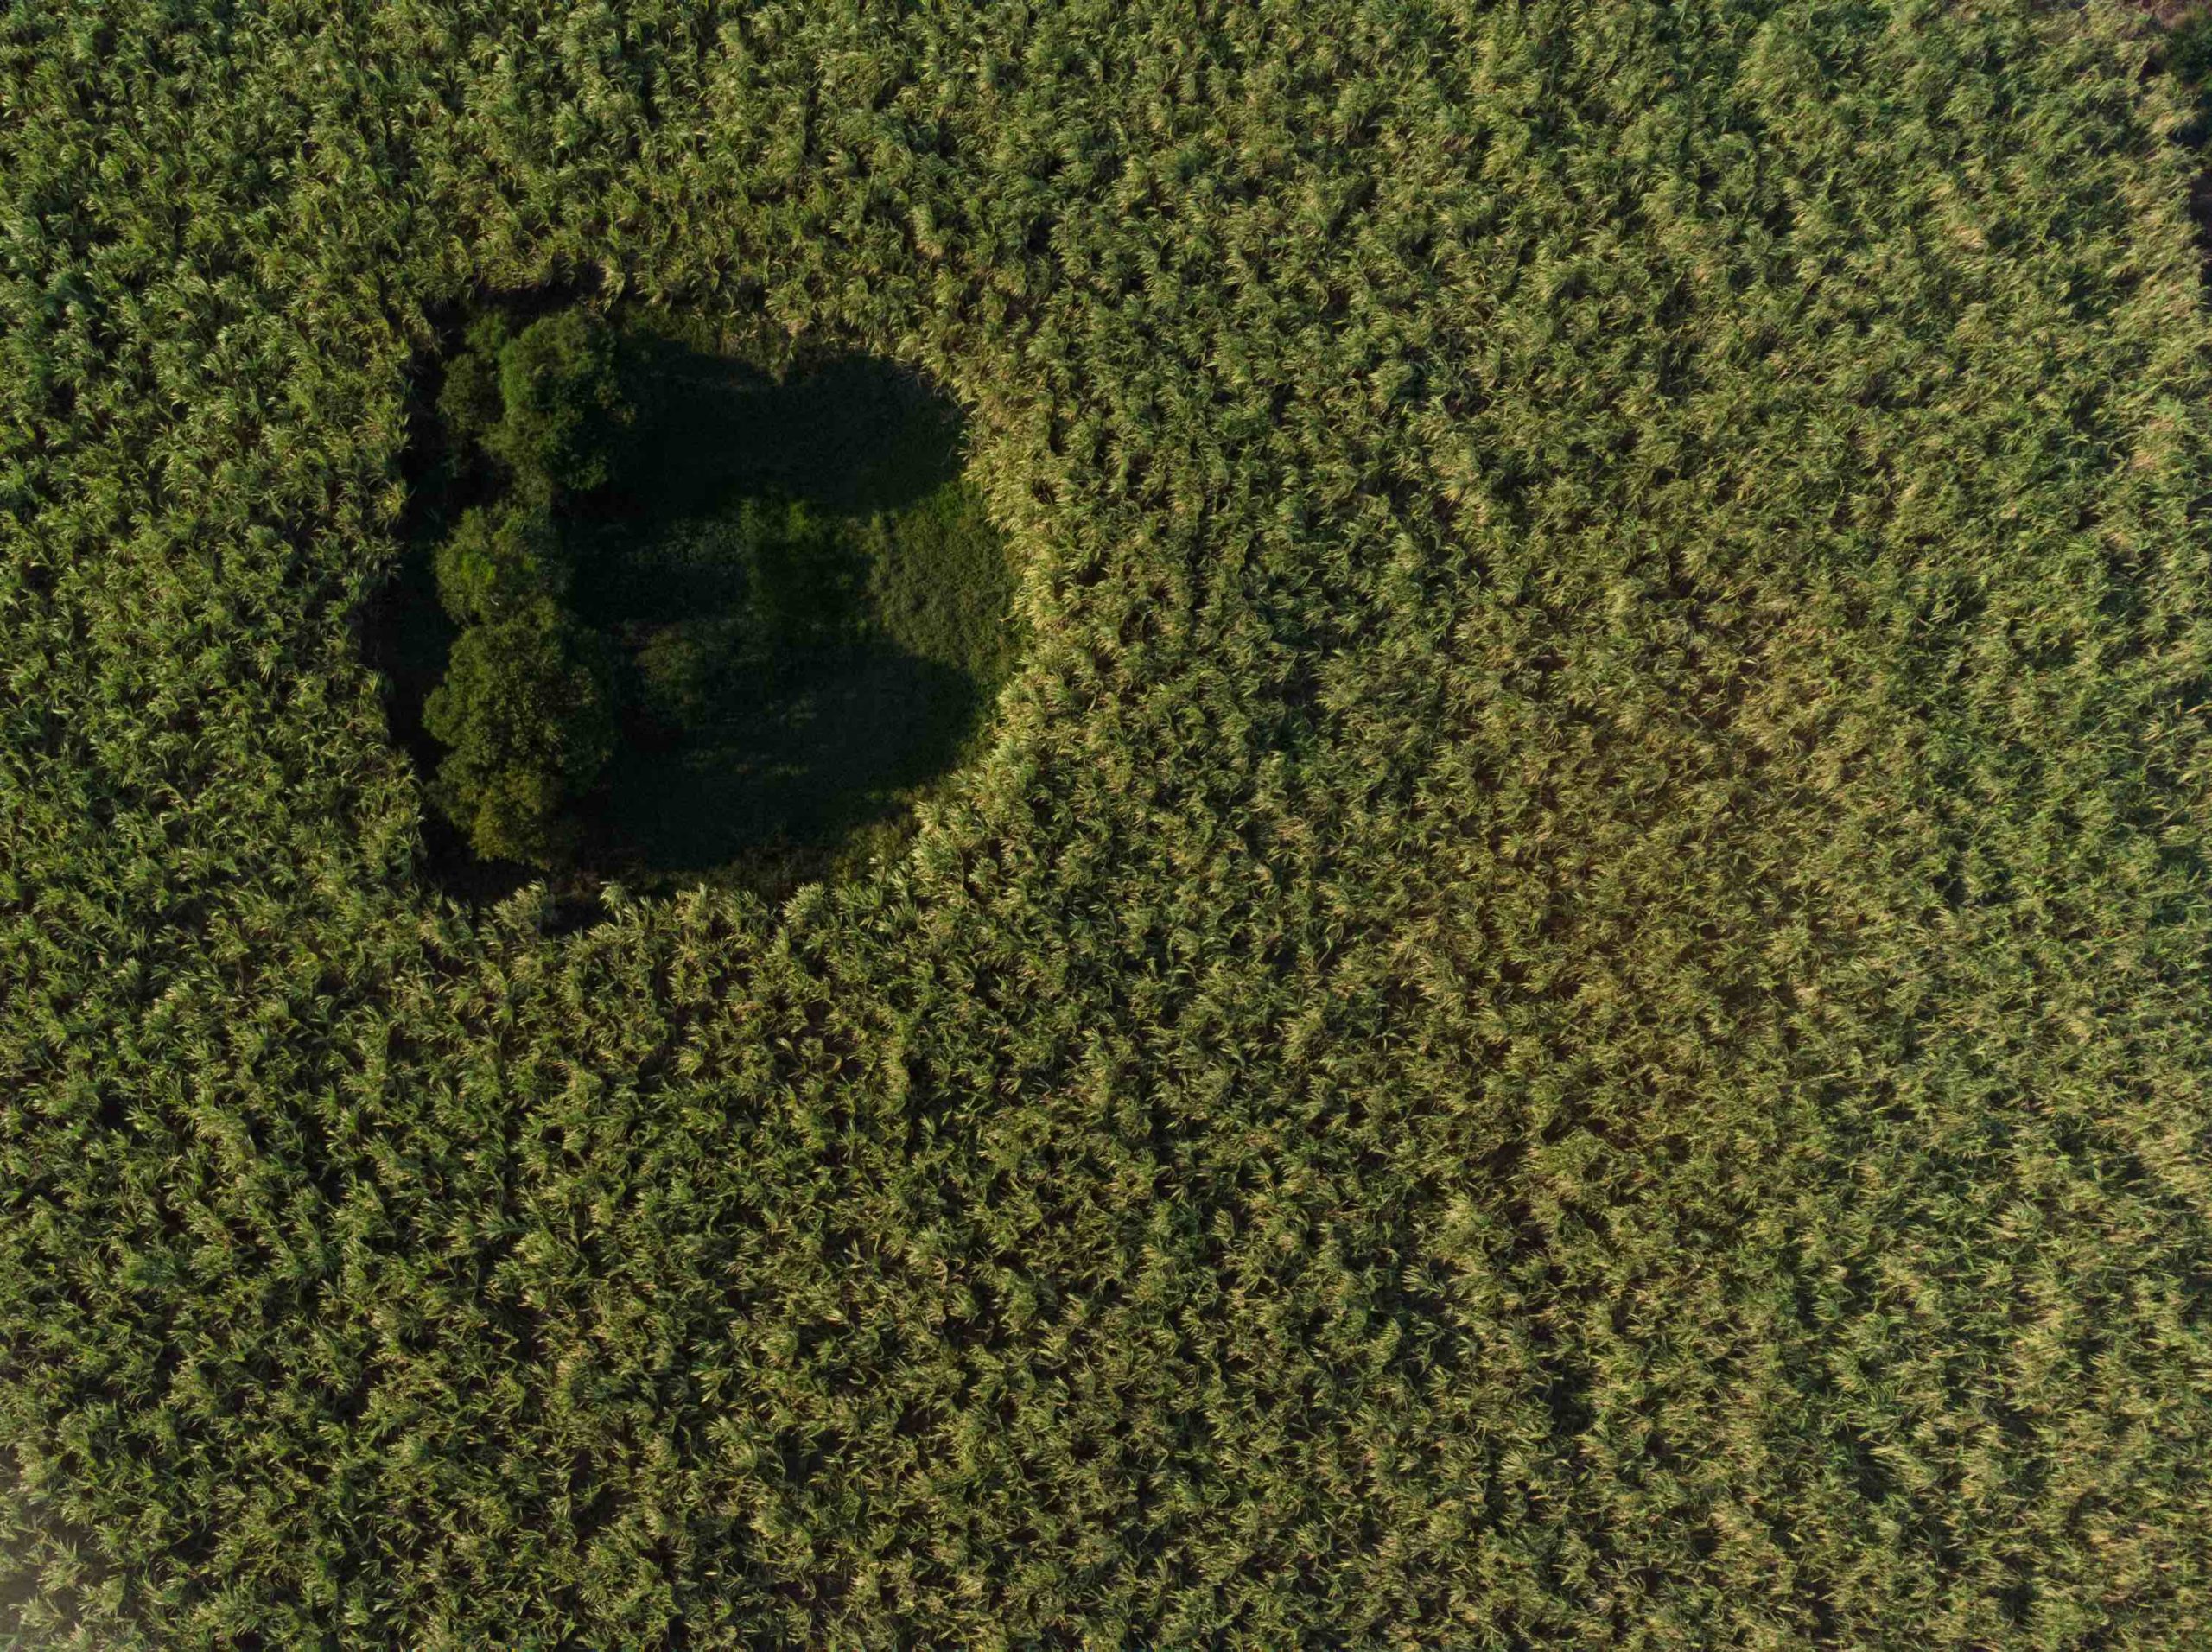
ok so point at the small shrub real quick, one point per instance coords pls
(689, 675)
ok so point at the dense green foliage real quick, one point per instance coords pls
(563, 413)
(499, 559)
(1569, 1009)
(526, 707)
(780, 674)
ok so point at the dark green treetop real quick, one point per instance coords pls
(563, 415)
(526, 709)
(499, 559)
(469, 404)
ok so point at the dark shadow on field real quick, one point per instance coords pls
(2183, 51)
(847, 434)
(746, 735)
(761, 729)
(789, 771)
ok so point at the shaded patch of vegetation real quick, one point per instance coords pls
(674, 613)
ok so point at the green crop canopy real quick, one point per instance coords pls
(1487, 923)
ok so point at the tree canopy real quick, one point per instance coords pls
(685, 601)
(562, 411)
(525, 707)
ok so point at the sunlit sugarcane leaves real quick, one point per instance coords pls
(1571, 1013)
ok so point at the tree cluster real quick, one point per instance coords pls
(526, 707)
(538, 420)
